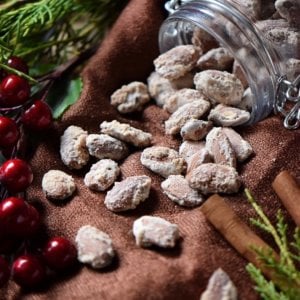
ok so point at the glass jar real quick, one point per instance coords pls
(263, 63)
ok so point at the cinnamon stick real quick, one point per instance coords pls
(288, 191)
(235, 231)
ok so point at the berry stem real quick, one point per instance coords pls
(19, 73)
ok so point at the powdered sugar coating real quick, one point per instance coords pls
(220, 287)
(130, 98)
(156, 231)
(197, 159)
(73, 150)
(238, 72)
(195, 130)
(163, 161)
(240, 146)
(289, 10)
(217, 59)
(214, 178)
(182, 97)
(219, 147)
(128, 193)
(193, 110)
(159, 88)
(102, 175)
(220, 86)
(228, 116)
(126, 133)
(94, 247)
(188, 148)
(57, 185)
(177, 188)
(177, 62)
(105, 146)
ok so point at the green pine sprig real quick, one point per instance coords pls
(53, 31)
(285, 281)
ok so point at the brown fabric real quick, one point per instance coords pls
(181, 273)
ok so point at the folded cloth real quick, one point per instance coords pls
(126, 55)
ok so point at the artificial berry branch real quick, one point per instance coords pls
(20, 221)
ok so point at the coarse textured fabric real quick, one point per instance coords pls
(181, 273)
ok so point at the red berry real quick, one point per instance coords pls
(38, 117)
(17, 63)
(18, 218)
(28, 271)
(16, 175)
(9, 132)
(31, 224)
(14, 91)
(4, 271)
(59, 253)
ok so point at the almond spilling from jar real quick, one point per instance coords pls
(159, 88)
(126, 133)
(94, 247)
(130, 98)
(220, 86)
(214, 178)
(193, 110)
(156, 231)
(177, 62)
(177, 188)
(188, 148)
(240, 146)
(182, 97)
(163, 161)
(228, 116)
(105, 146)
(217, 59)
(195, 130)
(219, 147)
(128, 193)
(197, 159)
(102, 175)
(73, 150)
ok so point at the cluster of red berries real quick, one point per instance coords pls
(19, 220)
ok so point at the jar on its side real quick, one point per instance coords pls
(262, 64)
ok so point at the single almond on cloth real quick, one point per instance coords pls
(177, 188)
(130, 98)
(126, 133)
(94, 247)
(240, 146)
(220, 287)
(149, 230)
(104, 146)
(214, 178)
(128, 193)
(57, 185)
(193, 110)
(219, 147)
(182, 97)
(163, 161)
(73, 150)
(102, 175)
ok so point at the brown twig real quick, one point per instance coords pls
(287, 189)
(236, 232)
